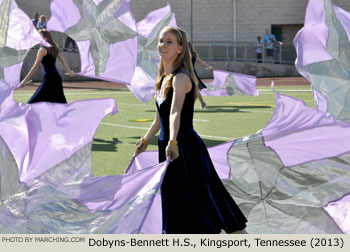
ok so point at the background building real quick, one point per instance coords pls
(222, 30)
(219, 20)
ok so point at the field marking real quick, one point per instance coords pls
(134, 104)
(200, 120)
(251, 104)
(134, 127)
(285, 90)
(266, 112)
(124, 126)
(97, 93)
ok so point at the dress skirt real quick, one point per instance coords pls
(50, 90)
(194, 200)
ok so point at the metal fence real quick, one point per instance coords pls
(219, 50)
(240, 51)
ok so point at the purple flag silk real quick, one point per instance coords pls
(142, 84)
(231, 84)
(112, 46)
(46, 184)
(296, 130)
(45, 133)
(282, 176)
(291, 177)
(153, 220)
(323, 47)
(48, 133)
(67, 199)
(105, 33)
(339, 211)
(17, 36)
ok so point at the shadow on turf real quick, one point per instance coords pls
(103, 145)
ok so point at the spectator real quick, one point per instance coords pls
(42, 23)
(35, 20)
(268, 44)
(276, 50)
(259, 49)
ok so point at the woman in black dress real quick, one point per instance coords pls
(195, 58)
(51, 89)
(194, 199)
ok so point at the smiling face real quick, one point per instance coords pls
(168, 47)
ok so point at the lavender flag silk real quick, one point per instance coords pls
(112, 46)
(290, 177)
(46, 184)
(283, 177)
(142, 84)
(323, 47)
(105, 32)
(231, 84)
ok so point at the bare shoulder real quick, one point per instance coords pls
(42, 51)
(182, 81)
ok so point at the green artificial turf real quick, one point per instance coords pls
(224, 119)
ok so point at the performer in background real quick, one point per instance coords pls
(194, 200)
(201, 85)
(51, 89)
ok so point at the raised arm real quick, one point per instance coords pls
(203, 63)
(41, 53)
(65, 65)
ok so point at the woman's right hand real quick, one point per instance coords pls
(71, 74)
(140, 146)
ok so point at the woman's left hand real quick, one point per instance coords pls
(172, 150)
(23, 83)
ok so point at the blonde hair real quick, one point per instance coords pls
(183, 60)
(192, 51)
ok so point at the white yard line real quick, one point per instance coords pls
(267, 112)
(285, 90)
(77, 93)
(134, 127)
(200, 120)
(124, 126)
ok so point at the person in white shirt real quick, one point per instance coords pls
(259, 49)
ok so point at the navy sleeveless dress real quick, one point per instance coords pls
(194, 200)
(50, 89)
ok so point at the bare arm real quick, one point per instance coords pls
(153, 129)
(41, 53)
(203, 63)
(181, 85)
(65, 65)
(142, 143)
